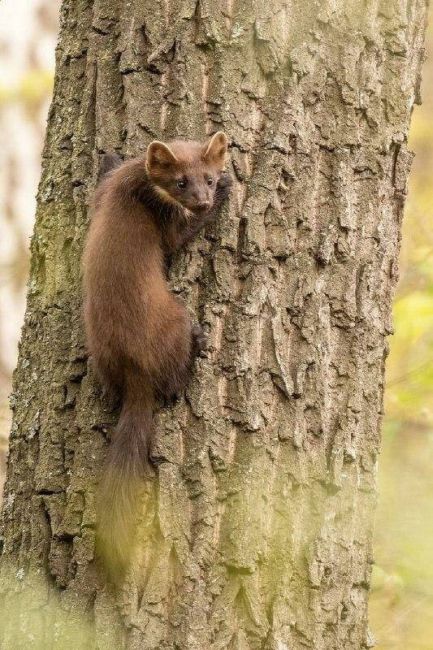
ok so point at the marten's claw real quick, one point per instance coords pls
(170, 400)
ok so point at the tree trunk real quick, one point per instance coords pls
(257, 531)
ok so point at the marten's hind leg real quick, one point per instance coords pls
(186, 342)
(198, 344)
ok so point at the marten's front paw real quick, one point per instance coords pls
(199, 340)
(225, 182)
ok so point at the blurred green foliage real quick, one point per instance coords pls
(401, 603)
(34, 86)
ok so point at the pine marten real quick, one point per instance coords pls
(139, 334)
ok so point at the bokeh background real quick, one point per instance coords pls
(401, 604)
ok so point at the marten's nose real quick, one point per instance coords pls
(203, 206)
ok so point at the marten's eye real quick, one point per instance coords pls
(181, 183)
(210, 180)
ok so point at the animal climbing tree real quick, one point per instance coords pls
(257, 531)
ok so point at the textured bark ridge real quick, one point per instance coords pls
(257, 532)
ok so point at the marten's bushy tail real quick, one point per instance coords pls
(121, 486)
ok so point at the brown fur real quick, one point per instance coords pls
(139, 334)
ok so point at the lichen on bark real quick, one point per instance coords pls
(257, 531)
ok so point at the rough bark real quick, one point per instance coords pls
(257, 532)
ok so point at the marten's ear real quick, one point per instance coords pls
(216, 150)
(159, 156)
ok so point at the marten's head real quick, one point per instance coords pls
(187, 172)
